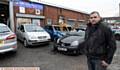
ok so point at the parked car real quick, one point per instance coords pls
(32, 35)
(82, 27)
(117, 34)
(116, 31)
(56, 31)
(70, 42)
(8, 40)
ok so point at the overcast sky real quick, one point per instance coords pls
(107, 8)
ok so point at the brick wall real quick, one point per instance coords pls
(54, 13)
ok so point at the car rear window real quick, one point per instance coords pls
(4, 29)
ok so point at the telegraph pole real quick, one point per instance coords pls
(11, 12)
(119, 9)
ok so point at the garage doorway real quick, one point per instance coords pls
(71, 22)
(23, 21)
(4, 14)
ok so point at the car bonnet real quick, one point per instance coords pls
(70, 39)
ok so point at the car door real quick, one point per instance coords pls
(51, 32)
(21, 32)
(18, 32)
(49, 29)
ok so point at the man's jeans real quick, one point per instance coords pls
(95, 64)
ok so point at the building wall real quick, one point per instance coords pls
(69, 14)
(53, 13)
(32, 13)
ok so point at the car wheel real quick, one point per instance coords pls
(76, 52)
(54, 48)
(25, 43)
(14, 52)
(55, 40)
(117, 36)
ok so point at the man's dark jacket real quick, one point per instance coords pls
(100, 42)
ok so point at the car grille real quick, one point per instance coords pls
(42, 37)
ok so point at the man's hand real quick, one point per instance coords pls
(104, 64)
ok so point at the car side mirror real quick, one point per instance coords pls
(23, 30)
(18, 28)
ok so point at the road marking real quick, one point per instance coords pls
(19, 68)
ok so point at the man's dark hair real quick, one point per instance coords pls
(95, 12)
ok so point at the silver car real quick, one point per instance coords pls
(8, 40)
(32, 35)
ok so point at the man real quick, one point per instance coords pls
(100, 44)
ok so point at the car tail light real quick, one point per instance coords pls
(14, 47)
(116, 28)
(11, 37)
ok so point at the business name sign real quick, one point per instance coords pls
(28, 5)
(38, 1)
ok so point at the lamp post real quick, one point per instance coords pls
(119, 9)
(11, 12)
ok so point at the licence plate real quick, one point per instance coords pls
(40, 40)
(62, 49)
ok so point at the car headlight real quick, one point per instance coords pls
(75, 43)
(58, 40)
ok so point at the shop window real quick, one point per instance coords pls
(49, 21)
(61, 19)
(36, 21)
(23, 21)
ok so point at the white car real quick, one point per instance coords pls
(32, 35)
(8, 40)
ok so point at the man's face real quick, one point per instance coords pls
(94, 18)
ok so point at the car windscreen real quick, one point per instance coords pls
(69, 28)
(4, 29)
(79, 33)
(65, 29)
(33, 28)
(57, 28)
(62, 28)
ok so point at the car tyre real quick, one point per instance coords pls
(76, 52)
(117, 36)
(25, 43)
(14, 52)
(54, 48)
